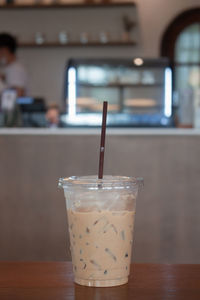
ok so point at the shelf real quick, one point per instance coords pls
(77, 44)
(142, 107)
(120, 85)
(68, 5)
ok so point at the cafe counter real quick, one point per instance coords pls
(33, 222)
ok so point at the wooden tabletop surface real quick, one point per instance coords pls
(54, 280)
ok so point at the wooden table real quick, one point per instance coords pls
(54, 280)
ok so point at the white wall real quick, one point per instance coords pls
(46, 66)
(154, 17)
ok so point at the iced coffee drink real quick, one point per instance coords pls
(101, 245)
(100, 221)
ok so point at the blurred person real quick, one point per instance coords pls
(53, 117)
(13, 74)
(13, 81)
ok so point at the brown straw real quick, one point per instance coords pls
(103, 137)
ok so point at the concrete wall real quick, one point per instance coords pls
(32, 210)
(46, 66)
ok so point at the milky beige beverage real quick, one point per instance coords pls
(101, 245)
(100, 222)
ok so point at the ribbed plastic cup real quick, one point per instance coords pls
(101, 215)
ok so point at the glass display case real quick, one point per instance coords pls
(138, 91)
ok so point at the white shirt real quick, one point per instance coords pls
(16, 76)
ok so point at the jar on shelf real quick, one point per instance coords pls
(63, 37)
(103, 37)
(39, 38)
(84, 37)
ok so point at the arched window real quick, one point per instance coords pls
(181, 43)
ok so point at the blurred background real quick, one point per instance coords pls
(59, 60)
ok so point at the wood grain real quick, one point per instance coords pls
(54, 280)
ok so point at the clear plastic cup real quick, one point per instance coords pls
(101, 216)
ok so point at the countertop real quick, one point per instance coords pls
(54, 280)
(96, 131)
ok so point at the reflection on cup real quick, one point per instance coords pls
(123, 292)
